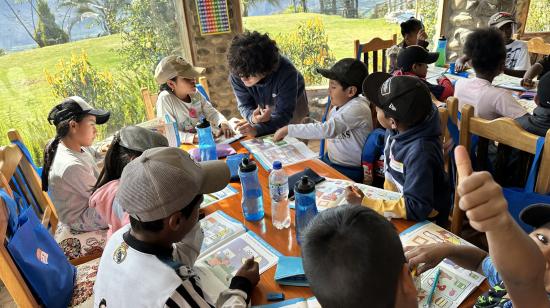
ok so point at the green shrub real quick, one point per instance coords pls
(427, 10)
(117, 93)
(538, 19)
(307, 57)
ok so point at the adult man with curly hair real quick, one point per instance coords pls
(270, 91)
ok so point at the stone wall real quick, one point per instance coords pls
(210, 52)
(463, 16)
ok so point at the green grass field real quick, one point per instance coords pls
(341, 32)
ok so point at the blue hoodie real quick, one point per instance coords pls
(283, 89)
(414, 163)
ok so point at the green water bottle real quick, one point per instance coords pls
(442, 50)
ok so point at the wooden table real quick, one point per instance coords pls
(285, 240)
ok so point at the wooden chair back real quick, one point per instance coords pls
(10, 275)
(15, 167)
(377, 49)
(537, 45)
(443, 119)
(150, 99)
(504, 131)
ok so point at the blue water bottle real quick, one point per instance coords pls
(306, 208)
(207, 146)
(442, 50)
(252, 202)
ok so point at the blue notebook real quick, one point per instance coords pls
(290, 271)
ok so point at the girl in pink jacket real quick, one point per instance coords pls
(127, 144)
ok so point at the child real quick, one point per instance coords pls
(348, 123)
(353, 256)
(149, 263)
(180, 101)
(413, 33)
(486, 49)
(538, 69)
(270, 91)
(128, 144)
(70, 166)
(539, 122)
(413, 153)
(517, 54)
(414, 60)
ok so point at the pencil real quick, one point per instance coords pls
(434, 286)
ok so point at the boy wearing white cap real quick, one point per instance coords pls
(150, 262)
(180, 101)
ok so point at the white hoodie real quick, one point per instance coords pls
(345, 130)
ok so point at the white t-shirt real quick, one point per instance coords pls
(136, 274)
(489, 102)
(517, 56)
(346, 130)
(187, 115)
(70, 181)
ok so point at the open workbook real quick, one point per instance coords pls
(293, 303)
(288, 151)
(212, 198)
(227, 245)
(331, 193)
(455, 283)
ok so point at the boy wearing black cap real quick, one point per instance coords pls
(149, 263)
(348, 123)
(414, 60)
(539, 122)
(413, 153)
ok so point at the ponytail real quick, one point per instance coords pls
(116, 158)
(49, 154)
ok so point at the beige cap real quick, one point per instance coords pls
(165, 180)
(173, 66)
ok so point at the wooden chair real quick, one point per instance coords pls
(373, 47)
(150, 99)
(14, 281)
(20, 173)
(537, 45)
(505, 131)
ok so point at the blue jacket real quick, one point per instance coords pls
(414, 161)
(283, 89)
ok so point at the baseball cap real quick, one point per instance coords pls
(173, 66)
(500, 19)
(536, 215)
(415, 54)
(404, 98)
(543, 91)
(348, 70)
(76, 105)
(165, 180)
(140, 139)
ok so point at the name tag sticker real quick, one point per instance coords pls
(395, 165)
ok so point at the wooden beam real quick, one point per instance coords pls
(443, 14)
(237, 15)
(522, 9)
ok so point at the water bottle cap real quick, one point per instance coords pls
(247, 165)
(277, 165)
(443, 38)
(203, 123)
(304, 186)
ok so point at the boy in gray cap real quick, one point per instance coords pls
(150, 262)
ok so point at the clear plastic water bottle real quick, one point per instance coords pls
(207, 146)
(252, 202)
(306, 208)
(442, 50)
(278, 190)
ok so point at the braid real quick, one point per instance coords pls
(49, 154)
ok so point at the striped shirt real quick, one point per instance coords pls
(133, 273)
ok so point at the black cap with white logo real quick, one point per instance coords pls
(404, 98)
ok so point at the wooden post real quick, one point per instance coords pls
(522, 8)
(443, 14)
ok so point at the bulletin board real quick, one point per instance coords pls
(213, 16)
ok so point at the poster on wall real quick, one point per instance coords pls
(213, 16)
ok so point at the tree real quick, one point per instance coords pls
(47, 31)
(104, 12)
(248, 3)
(44, 33)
